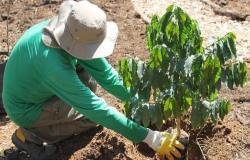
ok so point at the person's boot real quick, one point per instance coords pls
(36, 151)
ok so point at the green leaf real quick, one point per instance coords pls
(168, 108)
(182, 99)
(188, 101)
(140, 69)
(225, 47)
(136, 112)
(236, 73)
(188, 65)
(230, 77)
(145, 87)
(145, 90)
(146, 115)
(230, 44)
(177, 107)
(194, 79)
(164, 21)
(180, 33)
(124, 71)
(127, 108)
(199, 114)
(159, 112)
(225, 108)
(152, 33)
(210, 76)
(214, 110)
(153, 114)
(156, 57)
(213, 95)
(243, 73)
(217, 109)
(213, 68)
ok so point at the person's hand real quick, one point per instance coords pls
(170, 146)
(165, 144)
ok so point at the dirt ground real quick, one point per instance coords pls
(228, 140)
(236, 9)
(240, 6)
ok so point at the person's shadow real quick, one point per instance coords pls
(66, 149)
(102, 147)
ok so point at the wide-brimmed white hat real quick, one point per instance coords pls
(81, 28)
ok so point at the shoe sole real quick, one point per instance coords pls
(36, 153)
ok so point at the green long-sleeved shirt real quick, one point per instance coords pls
(34, 73)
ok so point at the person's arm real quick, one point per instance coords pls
(106, 76)
(67, 86)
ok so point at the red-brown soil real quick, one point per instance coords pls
(228, 140)
(240, 8)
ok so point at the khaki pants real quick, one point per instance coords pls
(58, 120)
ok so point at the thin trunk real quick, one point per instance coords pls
(178, 127)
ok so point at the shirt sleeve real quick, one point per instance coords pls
(67, 86)
(106, 76)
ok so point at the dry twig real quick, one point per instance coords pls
(198, 143)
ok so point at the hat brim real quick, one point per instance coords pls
(80, 50)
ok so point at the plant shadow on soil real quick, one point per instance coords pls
(195, 150)
(197, 138)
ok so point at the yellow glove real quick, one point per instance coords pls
(164, 143)
(169, 147)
